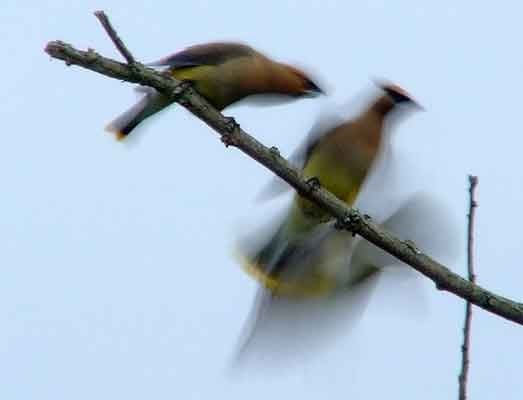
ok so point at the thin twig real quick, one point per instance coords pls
(473, 181)
(465, 348)
(347, 217)
(124, 51)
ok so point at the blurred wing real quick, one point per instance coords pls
(285, 332)
(421, 219)
(204, 54)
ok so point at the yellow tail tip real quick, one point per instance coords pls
(120, 136)
(279, 287)
(117, 133)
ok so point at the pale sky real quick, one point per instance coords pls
(118, 278)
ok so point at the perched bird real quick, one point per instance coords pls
(285, 329)
(340, 159)
(223, 73)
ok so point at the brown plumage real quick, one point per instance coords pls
(224, 73)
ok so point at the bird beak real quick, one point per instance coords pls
(416, 106)
(313, 91)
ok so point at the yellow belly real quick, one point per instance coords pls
(204, 82)
(334, 176)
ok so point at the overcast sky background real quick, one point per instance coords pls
(117, 275)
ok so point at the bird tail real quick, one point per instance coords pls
(285, 262)
(149, 104)
(260, 260)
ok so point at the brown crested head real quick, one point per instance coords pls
(295, 82)
(394, 96)
(397, 94)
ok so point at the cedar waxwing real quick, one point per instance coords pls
(223, 73)
(340, 159)
(284, 330)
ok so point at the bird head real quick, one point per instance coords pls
(397, 95)
(300, 84)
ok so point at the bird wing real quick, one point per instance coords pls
(204, 54)
(423, 219)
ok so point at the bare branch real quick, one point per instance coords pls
(473, 182)
(124, 51)
(465, 348)
(347, 218)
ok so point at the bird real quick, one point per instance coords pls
(223, 73)
(339, 159)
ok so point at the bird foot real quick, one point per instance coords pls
(230, 124)
(275, 151)
(314, 183)
(347, 223)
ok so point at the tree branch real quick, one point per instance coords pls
(124, 51)
(465, 348)
(232, 135)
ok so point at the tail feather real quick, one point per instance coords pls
(150, 104)
(287, 264)
(261, 260)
